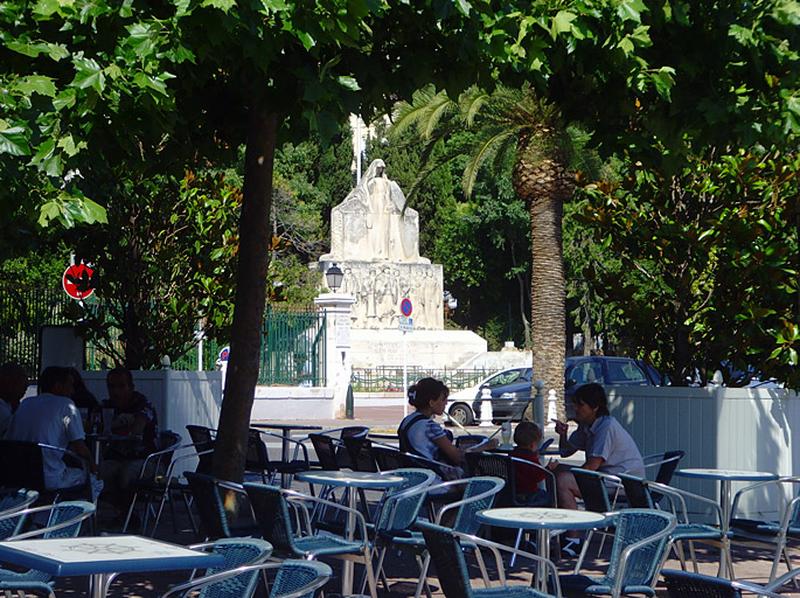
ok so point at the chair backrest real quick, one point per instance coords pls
(256, 457)
(236, 552)
(203, 439)
(669, 464)
(359, 450)
(21, 465)
(546, 445)
(399, 512)
(633, 525)
(469, 440)
(499, 466)
(593, 490)
(63, 512)
(294, 574)
(387, 458)
(220, 504)
(342, 453)
(682, 584)
(448, 559)
(466, 521)
(12, 501)
(636, 491)
(325, 448)
(166, 445)
(272, 515)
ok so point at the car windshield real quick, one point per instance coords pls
(625, 371)
(504, 378)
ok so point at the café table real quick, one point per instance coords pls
(725, 477)
(542, 520)
(353, 480)
(103, 556)
(286, 432)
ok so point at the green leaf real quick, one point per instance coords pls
(664, 80)
(36, 84)
(274, 5)
(48, 212)
(65, 99)
(223, 5)
(14, 141)
(94, 212)
(67, 143)
(630, 10)
(46, 159)
(142, 39)
(742, 35)
(562, 22)
(349, 82)
(305, 39)
(463, 7)
(88, 74)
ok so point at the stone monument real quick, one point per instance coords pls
(375, 242)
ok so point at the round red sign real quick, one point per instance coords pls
(406, 307)
(78, 281)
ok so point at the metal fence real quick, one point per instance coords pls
(293, 348)
(390, 378)
(23, 311)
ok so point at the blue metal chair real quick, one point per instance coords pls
(271, 506)
(11, 503)
(478, 494)
(446, 552)
(224, 507)
(64, 521)
(637, 554)
(222, 582)
(295, 579)
(644, 494)
(769, 533)
(681, 584)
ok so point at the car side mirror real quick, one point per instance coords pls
(571, 382)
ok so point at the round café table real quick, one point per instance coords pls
(354, 480)
(725, 477)
(542, 520)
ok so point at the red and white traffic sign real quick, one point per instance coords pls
(78, 281)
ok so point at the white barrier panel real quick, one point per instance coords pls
(718, 427)
(292, 403)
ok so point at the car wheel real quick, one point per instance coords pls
(461, 414)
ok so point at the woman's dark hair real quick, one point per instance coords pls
(81, 395)
(593, 395)
(426, 390)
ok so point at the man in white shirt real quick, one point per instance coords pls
(13, 384)
(52, 418)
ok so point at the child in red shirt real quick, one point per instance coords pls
(527, 438)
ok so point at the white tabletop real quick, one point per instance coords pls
(354, 479)
(541, 518)
(726, 474)
(104, 554)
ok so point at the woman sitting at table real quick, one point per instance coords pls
(420, 435)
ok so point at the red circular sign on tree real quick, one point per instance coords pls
(78, 281)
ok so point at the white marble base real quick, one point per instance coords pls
(425, 348)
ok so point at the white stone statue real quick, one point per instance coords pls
(370, 224)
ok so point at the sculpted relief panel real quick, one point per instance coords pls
(375, 241)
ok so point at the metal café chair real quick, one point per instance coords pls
(446, 553)
(681, 584)
(224, 507)
(12, 504)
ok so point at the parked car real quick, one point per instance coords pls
(511, 388)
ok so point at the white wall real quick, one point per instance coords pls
(724, 428)
(292, 403)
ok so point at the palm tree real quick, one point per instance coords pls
(513, 120)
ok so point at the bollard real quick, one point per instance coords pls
(348, 402)
(538, 404)
(486, 408)
(552, 412)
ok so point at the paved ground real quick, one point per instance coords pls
(749, 564)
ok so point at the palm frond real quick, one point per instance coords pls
(502, 152)
(470, 103)
(440, 106)
(406, 115)
(485, 148)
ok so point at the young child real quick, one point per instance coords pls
(527, 438)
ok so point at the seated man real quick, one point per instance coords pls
(608, 447)
(52, 418)
(13, 384)
(134, 418)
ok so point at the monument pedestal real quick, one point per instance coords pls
(436, 349)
